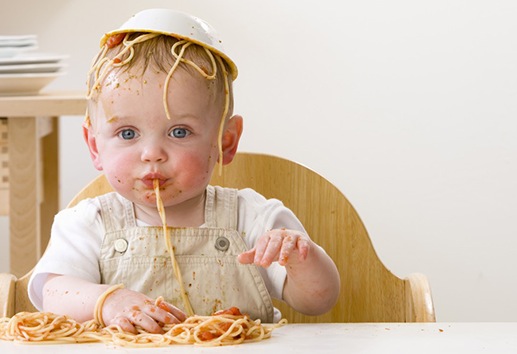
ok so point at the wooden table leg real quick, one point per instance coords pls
(50, 157)
(24, 194)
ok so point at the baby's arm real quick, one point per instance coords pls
(312, 284)
(77, 298)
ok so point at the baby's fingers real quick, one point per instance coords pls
(269, 250)
(247, 257)
(129, 321)
(303, 246)
(293, 243)
(124, 324)
(172, 314)
(288, 246)
(145, 321)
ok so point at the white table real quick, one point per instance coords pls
(346, 338)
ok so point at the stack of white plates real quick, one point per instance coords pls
(23, 70)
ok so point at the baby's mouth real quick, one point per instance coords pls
(150, 179)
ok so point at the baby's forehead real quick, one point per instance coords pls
(132, 87)
(140, 78)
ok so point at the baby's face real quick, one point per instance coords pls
(136, 142)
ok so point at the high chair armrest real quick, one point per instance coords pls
(419, 306)
(7, 294)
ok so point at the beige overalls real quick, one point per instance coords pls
(207, 257)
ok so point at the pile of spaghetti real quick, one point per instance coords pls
(224, 328)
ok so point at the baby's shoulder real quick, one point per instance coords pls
(86, 211)
(250, 200)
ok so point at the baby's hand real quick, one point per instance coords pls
(127, 308)
(279, 245)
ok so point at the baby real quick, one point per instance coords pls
(160, 113)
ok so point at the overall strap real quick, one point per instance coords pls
(117, 212)
(221, 207)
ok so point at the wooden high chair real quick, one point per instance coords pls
(369, 291)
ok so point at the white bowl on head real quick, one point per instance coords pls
(176, 24)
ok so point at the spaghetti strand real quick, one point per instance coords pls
(170, 249)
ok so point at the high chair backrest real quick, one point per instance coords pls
(369, 291)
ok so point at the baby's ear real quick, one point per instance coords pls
(231, 137)
(89, 138)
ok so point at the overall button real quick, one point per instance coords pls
(222, 244)
(121, 245)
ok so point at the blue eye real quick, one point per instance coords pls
(127, 134)
(180, 133)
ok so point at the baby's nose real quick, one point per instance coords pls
(154, 153)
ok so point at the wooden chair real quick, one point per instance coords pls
(369, 291)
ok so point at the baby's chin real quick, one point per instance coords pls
(140, 197)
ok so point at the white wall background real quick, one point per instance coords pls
(409, 107)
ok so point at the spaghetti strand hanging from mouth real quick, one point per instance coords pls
(170, 249)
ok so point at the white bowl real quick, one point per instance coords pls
(177, 24)
(25, 84)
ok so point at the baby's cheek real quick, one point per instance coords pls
(200, 168)
(118, 170)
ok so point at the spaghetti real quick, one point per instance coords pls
(37, 327)
(175, 266)
(225, 328)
